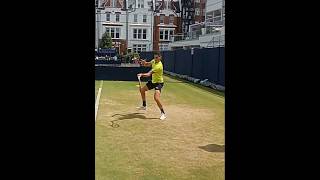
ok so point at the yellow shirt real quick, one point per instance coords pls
(157, 70)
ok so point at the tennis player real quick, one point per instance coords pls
(156, 83)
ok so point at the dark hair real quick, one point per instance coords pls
(157, 53)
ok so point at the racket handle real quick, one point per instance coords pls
(139, 81)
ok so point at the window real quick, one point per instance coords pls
(170, 5)
(113, 3)
(135, 18)
(197, 1)
(140, 3)
(134, 47)
(117, 17)
(161, 34)
(139, 47)
(144, 34)
(135, 32)
(107, 16)
(171, 34)
(197, 11)
(165, 34)
(139, 33)
(113, 32)
(144, 18)
(163, 47)
(118, 33)
(209, 16)
(97, 3)
(161, 18)
(171, 19)
(217, 15)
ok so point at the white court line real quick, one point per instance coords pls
(97, 101)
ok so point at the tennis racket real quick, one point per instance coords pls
(139, 81)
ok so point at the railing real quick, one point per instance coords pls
(214, 22)
(217, 41)
(195, 34)
(210, 26)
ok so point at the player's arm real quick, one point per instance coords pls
(148, 74)
(145, 63)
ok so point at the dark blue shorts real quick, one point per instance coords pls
(156, 86)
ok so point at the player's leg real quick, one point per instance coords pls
(156, 96)
(143, 95)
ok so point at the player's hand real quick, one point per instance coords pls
(139, 75)
(143, 62)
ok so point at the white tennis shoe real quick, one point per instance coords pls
(163, 116)
(142, 108)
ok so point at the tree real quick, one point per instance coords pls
(136, 55)
(106, 41)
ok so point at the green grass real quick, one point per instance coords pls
(137, 145)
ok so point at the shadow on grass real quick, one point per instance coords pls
(214, 91)
(127, 117)
(213, 148)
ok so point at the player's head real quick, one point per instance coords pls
(157, 56)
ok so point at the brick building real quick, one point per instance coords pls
(166, 23)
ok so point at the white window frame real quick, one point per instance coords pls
(171, 19)
(163, 46)
(209, 16)
(139, 33)
(108, 14)
(118, 17)
(118, 30)
(197, 11)
(114, 2)
(108, 30)
(112, 32)
(135, 18)
(144, 33)
(115, 32)
(161, 34)
(217, 17)
(139, 47)
(140, 3)
(162, 15)
(144, 18)
(135, 33)
(166, 34)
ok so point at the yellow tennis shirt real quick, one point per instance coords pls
(157, 69)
